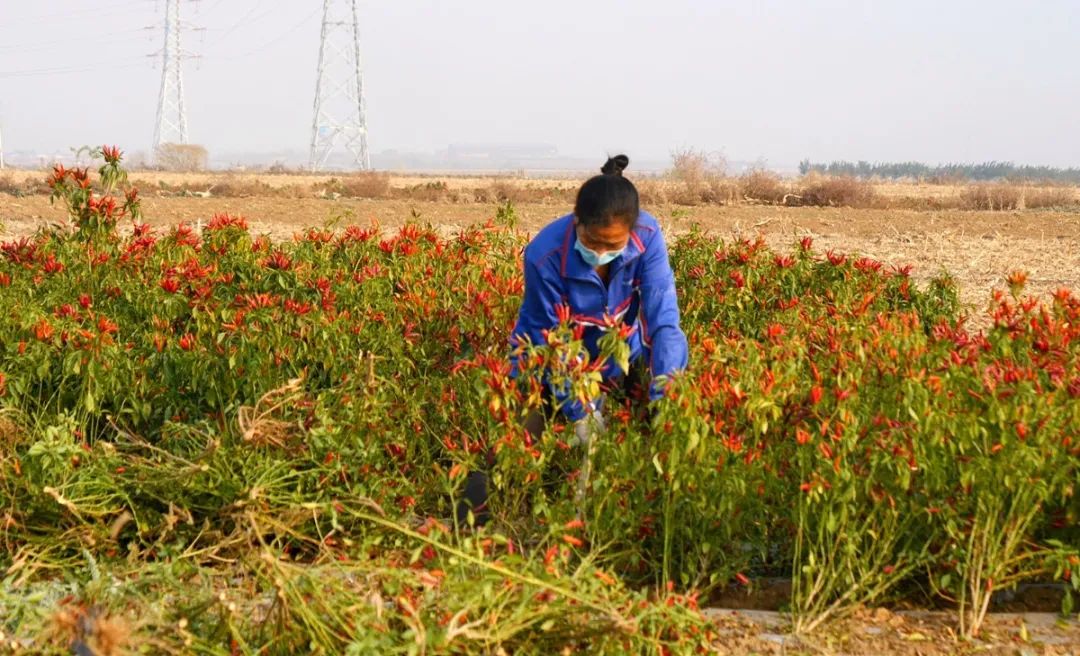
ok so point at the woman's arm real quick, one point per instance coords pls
(537, 312)
(543, 291)
(664, 340)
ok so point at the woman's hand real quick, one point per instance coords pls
(585, 430)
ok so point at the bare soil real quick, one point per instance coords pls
(902, 633)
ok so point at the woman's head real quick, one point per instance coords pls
(607, 208)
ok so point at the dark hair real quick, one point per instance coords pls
(608, 197)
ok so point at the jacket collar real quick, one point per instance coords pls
(572, 265)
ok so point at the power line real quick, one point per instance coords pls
(66, 70)
(245, 20)
(271, 42)
(214, 6)
(69, 43)
(76, 14)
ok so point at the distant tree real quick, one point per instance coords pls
(180, 157)
(992, 170)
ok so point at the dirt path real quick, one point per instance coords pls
(978, 248)
(902, 633)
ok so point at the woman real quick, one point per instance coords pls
(608, 258)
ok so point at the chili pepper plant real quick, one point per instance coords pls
(236, 445)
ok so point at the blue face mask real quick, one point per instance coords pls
(594, 259)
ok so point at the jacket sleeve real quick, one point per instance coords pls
(537, 314)
(664, 340)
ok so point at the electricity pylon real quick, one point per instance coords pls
(339, 119)
(171, 125)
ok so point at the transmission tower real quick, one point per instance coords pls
(171, 125)
(339, 119)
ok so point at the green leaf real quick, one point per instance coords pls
(416, 553)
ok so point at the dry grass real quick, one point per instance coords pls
(8, 184)
(12, 432)
(1008, 196)
(513, 191)
(361, 185)
(260, 426)
(761, 186)
(436, 191)
(821, 191)
(993, 197)
(18, 185)
(229, 188)
(1050, 197)
(89, 631)
(181, 157)
(696, 179)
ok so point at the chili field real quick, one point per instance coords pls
(212, 442)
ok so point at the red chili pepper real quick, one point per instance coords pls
(573, 541)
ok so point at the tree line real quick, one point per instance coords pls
(992, 170)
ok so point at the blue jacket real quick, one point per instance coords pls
(641, 290)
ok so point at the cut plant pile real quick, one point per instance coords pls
(215, 443)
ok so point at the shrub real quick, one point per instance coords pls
(503, 191)
(367, 184)
(998, 196)
(181, 157)
(234, 187)
(9, 186)
(762, 186)
(722, 191)
(836, 192)
(651, 191)
(25, 187)
(1050, 197)
(698, 177)
(432, 192)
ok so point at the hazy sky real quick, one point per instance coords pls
(942, 80)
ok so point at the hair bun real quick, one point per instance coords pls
(615, 165)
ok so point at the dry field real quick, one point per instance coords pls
(979, 248)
